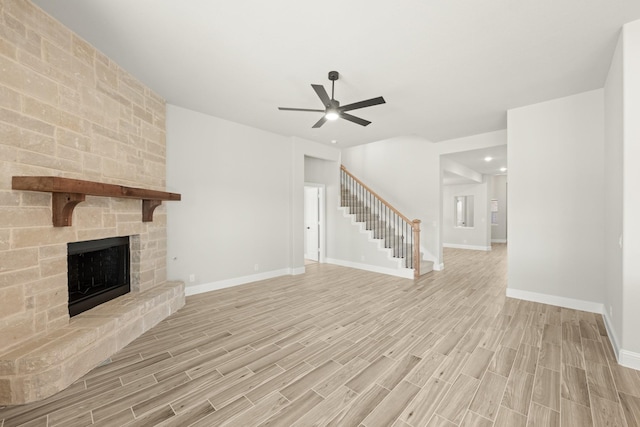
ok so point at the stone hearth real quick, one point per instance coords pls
(49, 364)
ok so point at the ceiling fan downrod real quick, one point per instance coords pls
(333, 76)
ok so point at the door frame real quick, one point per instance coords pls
(322, 222)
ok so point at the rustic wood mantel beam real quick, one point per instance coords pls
(67, 193)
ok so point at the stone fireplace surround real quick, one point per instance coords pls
(50, 362)
(68, 110)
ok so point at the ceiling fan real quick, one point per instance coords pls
(333, 110)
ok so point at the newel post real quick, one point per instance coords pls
(416, 248)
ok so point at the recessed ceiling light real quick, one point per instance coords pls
(488, 159)
(503, 169)
(333, 141)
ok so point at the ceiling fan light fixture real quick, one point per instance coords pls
(332, 108)
(332, 114)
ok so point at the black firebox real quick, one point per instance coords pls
(98, 271)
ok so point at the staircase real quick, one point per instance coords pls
(399, 235)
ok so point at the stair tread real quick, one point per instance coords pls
(382, 230)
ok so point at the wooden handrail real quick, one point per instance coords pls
(415, 224)
(387, 204)
(67, 193)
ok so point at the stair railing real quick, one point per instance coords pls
(399, 232)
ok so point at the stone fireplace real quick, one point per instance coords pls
(67, 110)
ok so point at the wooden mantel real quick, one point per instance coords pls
(67, 193)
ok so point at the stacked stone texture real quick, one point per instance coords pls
(68, 110)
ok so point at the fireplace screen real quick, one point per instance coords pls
(98, 271)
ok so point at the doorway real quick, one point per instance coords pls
(314, 222)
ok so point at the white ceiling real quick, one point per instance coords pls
(475, 160)
(446, 68)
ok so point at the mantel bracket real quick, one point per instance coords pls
(62, 205)
(148, 206)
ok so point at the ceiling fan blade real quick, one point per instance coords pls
(320, 122)
(299, 109)
(362, 104)
(355, 119)
(322, 94)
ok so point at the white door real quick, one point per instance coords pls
(311, 223)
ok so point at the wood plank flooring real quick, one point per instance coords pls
(343, 347)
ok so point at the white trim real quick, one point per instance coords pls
(236, 281)
(629, 359)
(438, 267)
(296, 271)
(626, 358)
(613, 339)
(404, 272)
(498, 240)
(472, 247)
(576, 304)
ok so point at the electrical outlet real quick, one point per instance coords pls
(192, 278)
(256, 267)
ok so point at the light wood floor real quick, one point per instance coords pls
(343, 347)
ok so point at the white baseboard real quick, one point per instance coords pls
(629, 359)
(498, 240)
(626, 358)
(405, 272)
(472, 247)
(236, 281)
(299, 270)
(576, 304)
(613, 338)
(438, 267)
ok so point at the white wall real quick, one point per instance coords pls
(631, 194)
(574, 123)
(476, 237)
(613, 145)
(321, 171)
(242, 199)
(406, 172)
(556, 194)
(498, 191)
